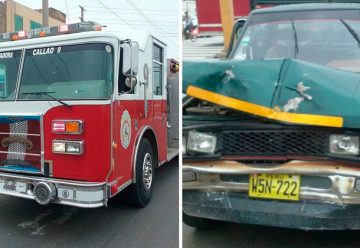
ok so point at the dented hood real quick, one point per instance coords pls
(286, 90)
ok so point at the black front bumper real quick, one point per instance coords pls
(238, 207)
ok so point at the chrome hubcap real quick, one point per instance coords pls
(147, 171)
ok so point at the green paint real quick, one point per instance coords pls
(272, 83)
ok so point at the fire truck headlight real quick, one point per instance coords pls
(68, 147)
(58, 147)
(344, 144)
(201, 142)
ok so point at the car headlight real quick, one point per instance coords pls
(344, 144)
(201, 142)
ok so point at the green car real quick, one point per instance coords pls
(271, 134)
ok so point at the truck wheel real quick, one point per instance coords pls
(196, 222)
(139, 193)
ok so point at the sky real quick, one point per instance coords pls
(159, 17)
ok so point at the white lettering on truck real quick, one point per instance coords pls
(6, 55)
(44, 51)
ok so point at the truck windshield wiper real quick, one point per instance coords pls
(295, 38)
(46, 93)
(352, 31)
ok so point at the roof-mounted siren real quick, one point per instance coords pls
(52, 31)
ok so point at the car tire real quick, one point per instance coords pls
(139, 194)
(197, 222)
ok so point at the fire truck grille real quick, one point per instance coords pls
(20, 144)
(278, 142)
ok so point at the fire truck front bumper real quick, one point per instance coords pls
(329, 195)
(48, 190)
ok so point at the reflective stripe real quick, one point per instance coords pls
(275, 114)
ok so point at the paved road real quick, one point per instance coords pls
(24, 223)
(207, 47)
(228, 235)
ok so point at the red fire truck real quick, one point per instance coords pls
(209, 18)
(84, 115)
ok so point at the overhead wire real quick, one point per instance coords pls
(116, 14)
(148, 19)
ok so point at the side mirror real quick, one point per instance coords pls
(130, 58)
(135, 57)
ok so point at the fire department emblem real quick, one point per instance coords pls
(125, 130)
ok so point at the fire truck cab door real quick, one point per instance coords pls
(131, 108)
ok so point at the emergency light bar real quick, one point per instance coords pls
(51, 31)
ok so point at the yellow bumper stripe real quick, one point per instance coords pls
(275, 114)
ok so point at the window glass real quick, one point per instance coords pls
(18, 23)
(327, 38)
(34, 25)
(9, 67)
(157, 53)
(158, 69)
(68, 72)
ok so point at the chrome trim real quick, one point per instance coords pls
(342, 176)
(137, 144)
(51, 180)
(28, 134)
(42, 143)
(51, 190)
(116, 66)
(293, 167)
(81, 125)
(85, 188)
(112, 138)
(25, 153)
(81, 142)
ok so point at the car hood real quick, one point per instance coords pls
(284, 90)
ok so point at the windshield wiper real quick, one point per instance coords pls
(352, 31)
(46, 93)
(295, 38)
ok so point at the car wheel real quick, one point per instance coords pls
(139, 193)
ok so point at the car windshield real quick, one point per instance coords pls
(328, 38)
(62, 72)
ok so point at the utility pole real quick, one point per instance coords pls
(82, 13)
(227, 19)
(45, 13)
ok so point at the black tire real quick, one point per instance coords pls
(198, 223)
(139, 194)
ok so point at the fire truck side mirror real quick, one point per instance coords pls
(130, 58)
(134, 57)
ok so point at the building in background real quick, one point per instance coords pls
(15, 17)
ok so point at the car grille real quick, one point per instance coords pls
(278, 142)
(20, 144)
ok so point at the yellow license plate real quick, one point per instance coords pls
(275, 186)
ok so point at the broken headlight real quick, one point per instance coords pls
(201, 142)
(344, 144)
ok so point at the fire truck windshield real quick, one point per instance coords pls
(69, 72)
(9, 67)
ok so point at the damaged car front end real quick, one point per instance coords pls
(271, 135)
